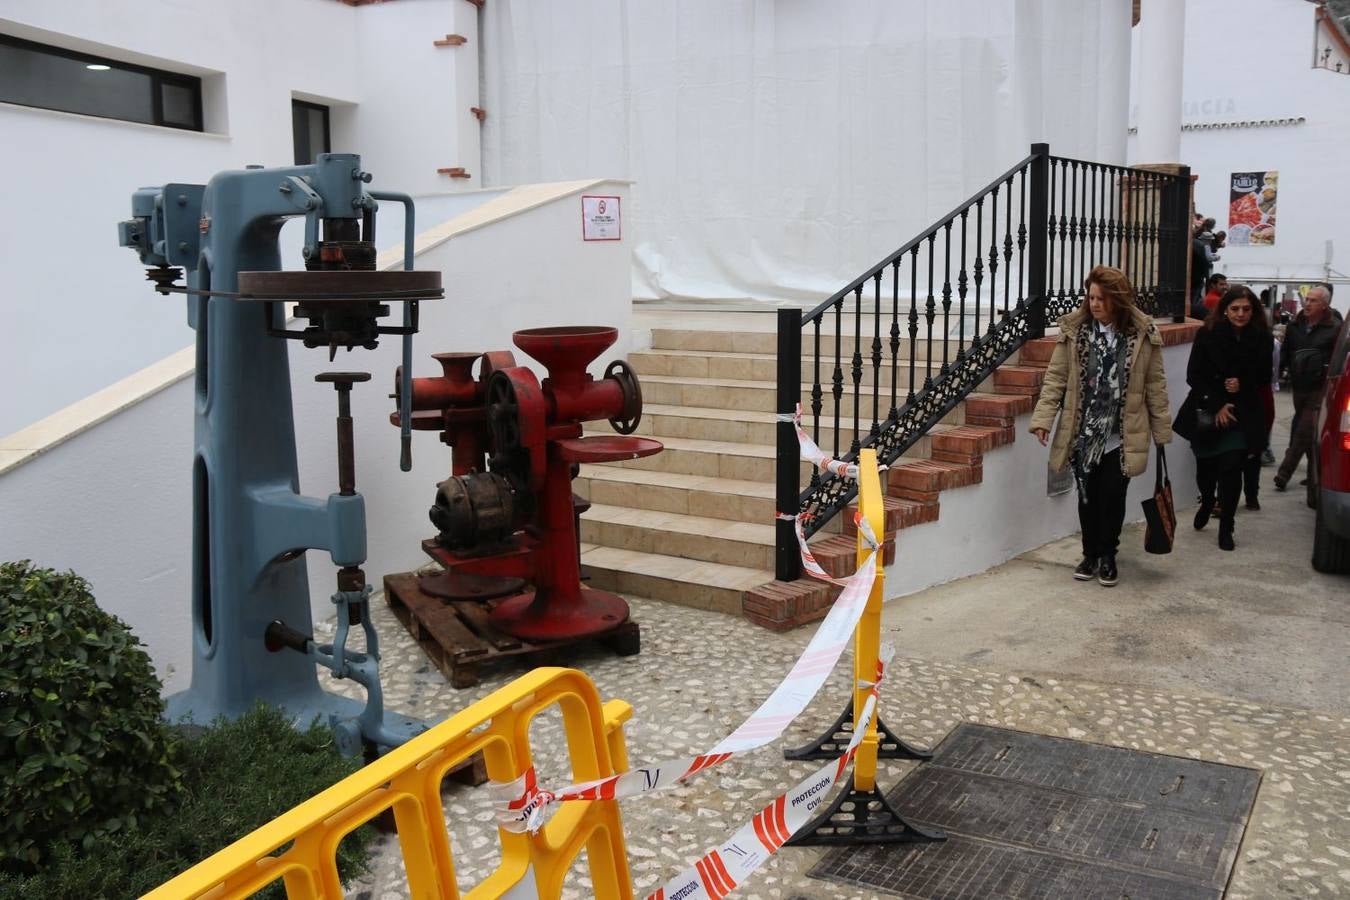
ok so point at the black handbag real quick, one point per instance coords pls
(1194, 420)
(1160, 515)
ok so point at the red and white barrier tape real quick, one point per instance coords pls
(809, 561)
(812, 453)
(522, 805)
(720, 871)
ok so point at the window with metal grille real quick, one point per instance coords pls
(38, 75)
(309, 123)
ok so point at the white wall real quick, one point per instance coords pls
(783, 148)
(413, 116)
(1009, 512)
(1251, 60)
(114, 502)
(78, 314)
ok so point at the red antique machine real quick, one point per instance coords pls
(508, 529)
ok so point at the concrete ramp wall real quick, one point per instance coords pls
(1009, 513)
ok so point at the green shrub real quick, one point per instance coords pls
(237, 777)
(99, 797)
(84, 750)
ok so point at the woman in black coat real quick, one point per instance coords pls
(1230, 360)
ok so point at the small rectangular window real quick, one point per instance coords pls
(53, 78)
(309, 125)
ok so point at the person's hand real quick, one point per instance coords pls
(1225, 416)
(1042, 435)
(1231, 385)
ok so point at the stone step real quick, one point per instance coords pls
(712, 459)
(727, 393)
(694, 524)
(718, 541)
(764, 366)
(687, 582)
(743, 426)
(766, 342)
(672, 492)
(740, 461)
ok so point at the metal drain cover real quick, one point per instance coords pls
(1031, 816)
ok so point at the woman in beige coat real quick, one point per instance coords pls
(1107, 376)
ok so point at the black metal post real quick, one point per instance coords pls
(787, 559)
(1176, 248)
(1038, 217)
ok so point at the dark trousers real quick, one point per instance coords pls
(1304, 434)
(1101, 510)
(1222, 475)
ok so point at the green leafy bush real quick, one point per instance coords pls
(84, 750)
(237, 777)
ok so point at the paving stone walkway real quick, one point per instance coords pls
(699, 673)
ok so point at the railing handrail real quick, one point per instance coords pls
(1066, 220)
(880, 267)
(1101, 165)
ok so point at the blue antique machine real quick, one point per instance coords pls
(250, 594)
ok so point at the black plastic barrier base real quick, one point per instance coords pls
(835, 740)
(861, 817)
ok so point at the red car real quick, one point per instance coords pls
(1331, 537)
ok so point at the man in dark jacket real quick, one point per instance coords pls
(1201, 267)
(1305, 353)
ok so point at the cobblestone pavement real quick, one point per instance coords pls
(700, 673)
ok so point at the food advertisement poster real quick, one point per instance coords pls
(1252, 198)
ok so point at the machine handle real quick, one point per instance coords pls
(280, 636)
(405, 392)
(626, 422)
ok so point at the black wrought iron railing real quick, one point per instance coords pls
(882, 361)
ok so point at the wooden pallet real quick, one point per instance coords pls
(459, 639)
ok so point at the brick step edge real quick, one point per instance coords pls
(956, 461)
(783, 605)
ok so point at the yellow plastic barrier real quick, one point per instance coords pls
(408, 781)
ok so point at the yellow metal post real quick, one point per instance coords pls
(867, 641)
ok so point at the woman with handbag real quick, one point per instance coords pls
(1230, 360)
(1107, 384)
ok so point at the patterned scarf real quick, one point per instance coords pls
(1103, 374)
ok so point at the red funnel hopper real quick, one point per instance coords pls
(566, 351)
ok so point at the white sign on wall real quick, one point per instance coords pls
(600, 219)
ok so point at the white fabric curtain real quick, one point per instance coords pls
(780, 147)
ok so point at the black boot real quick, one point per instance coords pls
(1226, 533)
(1086, 569)
(1203, 512)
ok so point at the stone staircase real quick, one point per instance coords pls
(695, 524)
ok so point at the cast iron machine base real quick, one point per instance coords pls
(252, 629)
